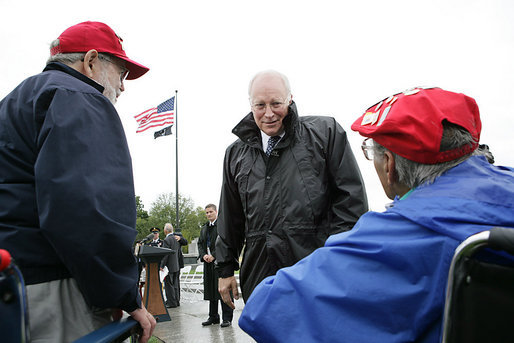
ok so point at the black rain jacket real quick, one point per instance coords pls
(283, 207)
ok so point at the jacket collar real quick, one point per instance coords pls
(248, 131)
(69, 70)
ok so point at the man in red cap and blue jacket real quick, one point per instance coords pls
(385, 280)
(67, 203)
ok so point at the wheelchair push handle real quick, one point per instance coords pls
(502, 239)
(5, 259)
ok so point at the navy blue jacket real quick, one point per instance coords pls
(67, 204)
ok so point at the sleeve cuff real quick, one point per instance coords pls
(132, 305)
(225, 270)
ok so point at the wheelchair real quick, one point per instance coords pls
(479, 305)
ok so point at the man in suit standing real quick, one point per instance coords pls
(182, 241)
(207, 254)
(171, 286)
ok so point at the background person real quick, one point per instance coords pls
(207, 254)
(171, 285)
(284, 199)
(155, 241)
(182, 241)
(385, 280)
(66, 188)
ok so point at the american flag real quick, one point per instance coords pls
(164, 114)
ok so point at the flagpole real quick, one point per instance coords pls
(176, 157)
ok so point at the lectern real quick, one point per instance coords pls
(152, 298)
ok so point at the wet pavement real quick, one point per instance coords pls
(186, 325)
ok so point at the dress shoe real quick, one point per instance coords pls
(225, 324)
(211, 321)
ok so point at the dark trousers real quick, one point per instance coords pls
(172, 289)
(227, 311)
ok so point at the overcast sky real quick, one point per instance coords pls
(340, 56)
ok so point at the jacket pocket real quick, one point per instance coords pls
(313, 174)
(301, 241)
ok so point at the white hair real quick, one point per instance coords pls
(168, 227)
(413, 174)
(270, 72)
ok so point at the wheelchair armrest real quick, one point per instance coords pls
(112, 332)
(502, 239)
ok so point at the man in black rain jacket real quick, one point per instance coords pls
(282, 201)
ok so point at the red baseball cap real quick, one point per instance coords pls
(95, 35)
(410, 124)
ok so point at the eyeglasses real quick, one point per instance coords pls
(123, 71)
(367, 148)
(274, 106)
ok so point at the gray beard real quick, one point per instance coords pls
(109, 91)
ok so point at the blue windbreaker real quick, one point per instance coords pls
(385, 280)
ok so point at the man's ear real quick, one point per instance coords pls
(90, 63)
(389, 166)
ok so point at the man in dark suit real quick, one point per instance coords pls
(171, 285)
(182, 241)
(207, 254)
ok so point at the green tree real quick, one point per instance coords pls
(163, 211)
(140, 208)
(141, 219)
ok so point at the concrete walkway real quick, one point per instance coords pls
(186, 325)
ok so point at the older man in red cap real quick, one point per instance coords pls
(67, 203)
(384, 281)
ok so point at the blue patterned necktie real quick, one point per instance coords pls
(271, 144)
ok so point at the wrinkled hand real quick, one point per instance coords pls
(177, 237)
(147, 322)
(225, 285)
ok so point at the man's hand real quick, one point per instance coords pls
(177, 237)
(225, 285)
(208, 258)
(147, 322)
